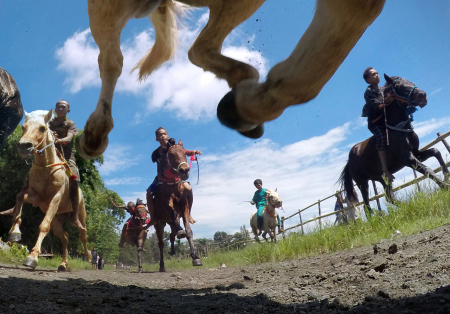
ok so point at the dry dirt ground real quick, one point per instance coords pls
(411, 276)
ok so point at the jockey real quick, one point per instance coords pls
(65, 131)
(260, 201)
(159, 157)
(131, 209)
(374, 111)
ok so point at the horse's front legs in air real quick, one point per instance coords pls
(433, 152)
(44, 228)
(412, 162)
(333, 32)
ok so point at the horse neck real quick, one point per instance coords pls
(395, 113)
(48, 156)
(271, 209)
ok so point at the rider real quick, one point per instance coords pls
(260, 201)
(159, 156)
(374, 111)
(131, 209)
(66, 130)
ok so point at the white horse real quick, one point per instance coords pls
(269, 217)
(334, 30)
(350, 214)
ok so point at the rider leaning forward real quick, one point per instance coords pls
(260, 201)
(374, 111)
(159, 156)
(66, 130)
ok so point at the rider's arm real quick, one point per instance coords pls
(193, 152)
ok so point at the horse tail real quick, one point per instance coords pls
(346, 183)
(164, 20)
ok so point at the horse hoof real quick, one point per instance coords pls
(14, 237)
(181, 234)
(197, 262)
(61, 268)
(172, 253)
(162, 270)
(30, 262)
(83, 147)
(140, 270)
(228, 116)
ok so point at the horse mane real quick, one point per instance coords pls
(35, 115)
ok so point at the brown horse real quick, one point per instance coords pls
(47, 187)
(403, 149)
(11, 111)
(134, 232)
(172, 201)
(334, 30)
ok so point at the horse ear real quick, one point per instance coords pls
(180, 143)
(48, 116)
(27, 116)
(388, 79)
(276, 189)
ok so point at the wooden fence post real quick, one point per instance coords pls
(415, 176)
(444, 142)
(320, 214)
(376, 193)
(301, 222)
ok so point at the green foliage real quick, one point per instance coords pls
(19, 250)
(102, 219)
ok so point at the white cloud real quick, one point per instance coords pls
(426, 127)
(118, 158)
(124, 181)
(178, 86)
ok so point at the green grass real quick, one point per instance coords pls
(417, 212)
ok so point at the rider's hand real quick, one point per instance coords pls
(251, 202)
(59, 141)
(197, 152)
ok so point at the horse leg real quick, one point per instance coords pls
(106, 22)
(433, 152)
(44, 228)
(173, 234)
(364, 188)
(14, 233)
(56, 226)
(412, 162)
(333, 32)
(159, 229)
(140, 247)
(83, 231)
(388, 192)
(189, 236)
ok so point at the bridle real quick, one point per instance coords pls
(169, 165)
(402, 98)
(41, 151)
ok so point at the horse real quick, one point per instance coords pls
(403, 149)
(333, 32)
(47, 187)
(269, 217)
(172, 201)
(11, 110)
(134, 232)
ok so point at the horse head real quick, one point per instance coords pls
(142, 214)
(273, 198)
(176, 161)
(36, 134)
(405, 91)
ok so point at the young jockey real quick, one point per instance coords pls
(131, 209)
(66, 130)
(374, 111)
(260, 201)
(159, 157)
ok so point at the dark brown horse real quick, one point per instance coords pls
(11, 111)
(134, 231)
(403, 149)
(174, 201)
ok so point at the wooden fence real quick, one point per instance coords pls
(440, 138)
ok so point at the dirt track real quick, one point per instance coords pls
(414, 279)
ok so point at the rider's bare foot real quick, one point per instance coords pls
(76, 223)
(280, 230)
(388, 175)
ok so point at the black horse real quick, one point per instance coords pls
(11, 110)
(403, 149)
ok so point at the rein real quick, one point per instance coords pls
(41, 151)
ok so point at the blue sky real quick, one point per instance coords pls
(48, 49)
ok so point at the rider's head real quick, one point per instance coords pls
(258, 184)
(131, 206)
(62, 108)
(162, 136)
(371, 76)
